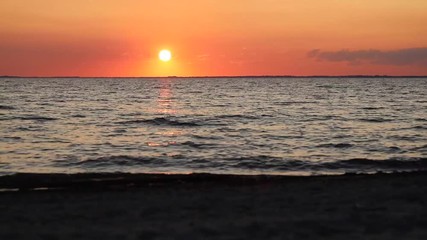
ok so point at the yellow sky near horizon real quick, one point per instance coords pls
(211, 37)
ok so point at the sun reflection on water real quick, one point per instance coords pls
(165, 101)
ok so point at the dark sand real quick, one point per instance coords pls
(378, 206)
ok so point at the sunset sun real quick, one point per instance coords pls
(165, 55)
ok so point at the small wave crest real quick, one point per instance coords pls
(358, 165)
(420, 148)
(288, 103)
(393, 164)
(336, 145)
(78, 116)
(253, 164)
(371, 108)
(4, 107)
(162, 121)
(30, 118)
(375, 120)
(237, 116)
(198, 145)
(38, 118)
(121, 160)
(420, 127)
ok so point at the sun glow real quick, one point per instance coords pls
(165, 55)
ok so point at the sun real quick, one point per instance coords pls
(165, 55)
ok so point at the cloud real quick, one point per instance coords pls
(399, 57)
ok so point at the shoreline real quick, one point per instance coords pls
(63, 181)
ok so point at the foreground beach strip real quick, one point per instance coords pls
(209, 206)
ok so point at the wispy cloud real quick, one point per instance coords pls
(399, 57)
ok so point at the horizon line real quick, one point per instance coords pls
(231, 76)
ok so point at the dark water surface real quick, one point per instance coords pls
(296, 126)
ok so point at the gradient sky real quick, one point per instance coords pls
(213, 37)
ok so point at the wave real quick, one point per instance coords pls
(198, 145)
(208, 137)
(372, 108)
(388, 164)
(375, 120)
(421, 148)
(336, 145)
(30, 118)
(11, 138)
(359, 165)
(78, 116)
(238, 116)
(255, 163)
(161, 121)
(121, 160)
(37, 118)
(4, 107)
(287, 103)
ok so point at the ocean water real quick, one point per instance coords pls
(290, 126)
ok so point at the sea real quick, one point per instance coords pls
(240, 125)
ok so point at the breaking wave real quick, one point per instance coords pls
(259, 163)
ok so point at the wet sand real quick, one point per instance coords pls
(381, 206)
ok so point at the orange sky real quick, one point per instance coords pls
(213, 37)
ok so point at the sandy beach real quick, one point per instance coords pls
(381, 206)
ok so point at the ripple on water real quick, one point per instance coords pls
(336, 145)
(35, 118)
(121, 160)
(161, 121)
(4, 107)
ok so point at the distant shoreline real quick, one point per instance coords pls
(246, 76)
